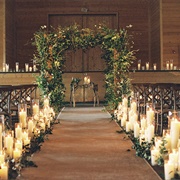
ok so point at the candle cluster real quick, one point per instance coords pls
(13, 141)
(143, 128)
(27, 67)
(168, 66)
(172, 145)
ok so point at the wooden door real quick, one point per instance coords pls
(90, 60)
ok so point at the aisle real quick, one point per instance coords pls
(86, 146)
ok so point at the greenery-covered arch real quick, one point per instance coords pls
(50, 55)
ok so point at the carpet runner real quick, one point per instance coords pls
(86, 146)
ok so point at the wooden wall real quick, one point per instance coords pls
(171, 31)
(155, 33)
(2, 32)
(10, 42)
(31, 14)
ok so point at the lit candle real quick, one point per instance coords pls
(1, 137)
(143, 122)
(35, 109)
(139, 64)
(22, 118)
(147, 66)
(4, 172)
(123, 120)
(18, 132)
(154, 66)
(26, 67)
(167, 65)
(136, 130)
(128, 126)
(171, 64)
(2, 157)
(150, 133)
(154, 156)
(30, 127)
(150, 116)
(27, 141)
(169, 170)
(24, 135)
(134, 106)
(18, 145)
(17, 66)
(16, 153)
(125, 102)
(174, 133)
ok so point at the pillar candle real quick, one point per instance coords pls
(2, 157)
(169, 170)
(46, 102)
(35, 109)
(174, 133)
(30, 127)
(1, 137)
(4, 172)
(150, 133)
(154, 156)
(136, 130)
(143, 122)
(16, 153)
(18, 145)
(134, 106)
(22, 118)
(26, 141)
(18, 132)
(150, 116)
(128, 125)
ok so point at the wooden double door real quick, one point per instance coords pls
(90, 60)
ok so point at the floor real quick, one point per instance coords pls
(86, 146)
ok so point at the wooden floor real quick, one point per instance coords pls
(86, 146)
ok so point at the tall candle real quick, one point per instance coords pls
(169, 170)
(150, 116)
(2, 157)
(18, 132)
(174, 133)
(136, 130)
(30, 127)
(150, 133)
(18, 144)
(4, 172)
(154, 156)
(16, 153)
(22, 118)
(35, 109)
(1, 137)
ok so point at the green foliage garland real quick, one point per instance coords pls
(50, 55)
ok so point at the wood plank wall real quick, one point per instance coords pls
(10, 41)
(171, 31)
(154, 34)
(31, 14)
(2, 32)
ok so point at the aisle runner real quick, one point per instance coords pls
(86, 146)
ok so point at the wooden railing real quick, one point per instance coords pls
(12, 95)
(164, 98)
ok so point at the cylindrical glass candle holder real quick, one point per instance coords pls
(17, 66)
(139, 64)
(35, 107)
(26, 67)
(22, 111)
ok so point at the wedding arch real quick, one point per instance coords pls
(117, 52)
